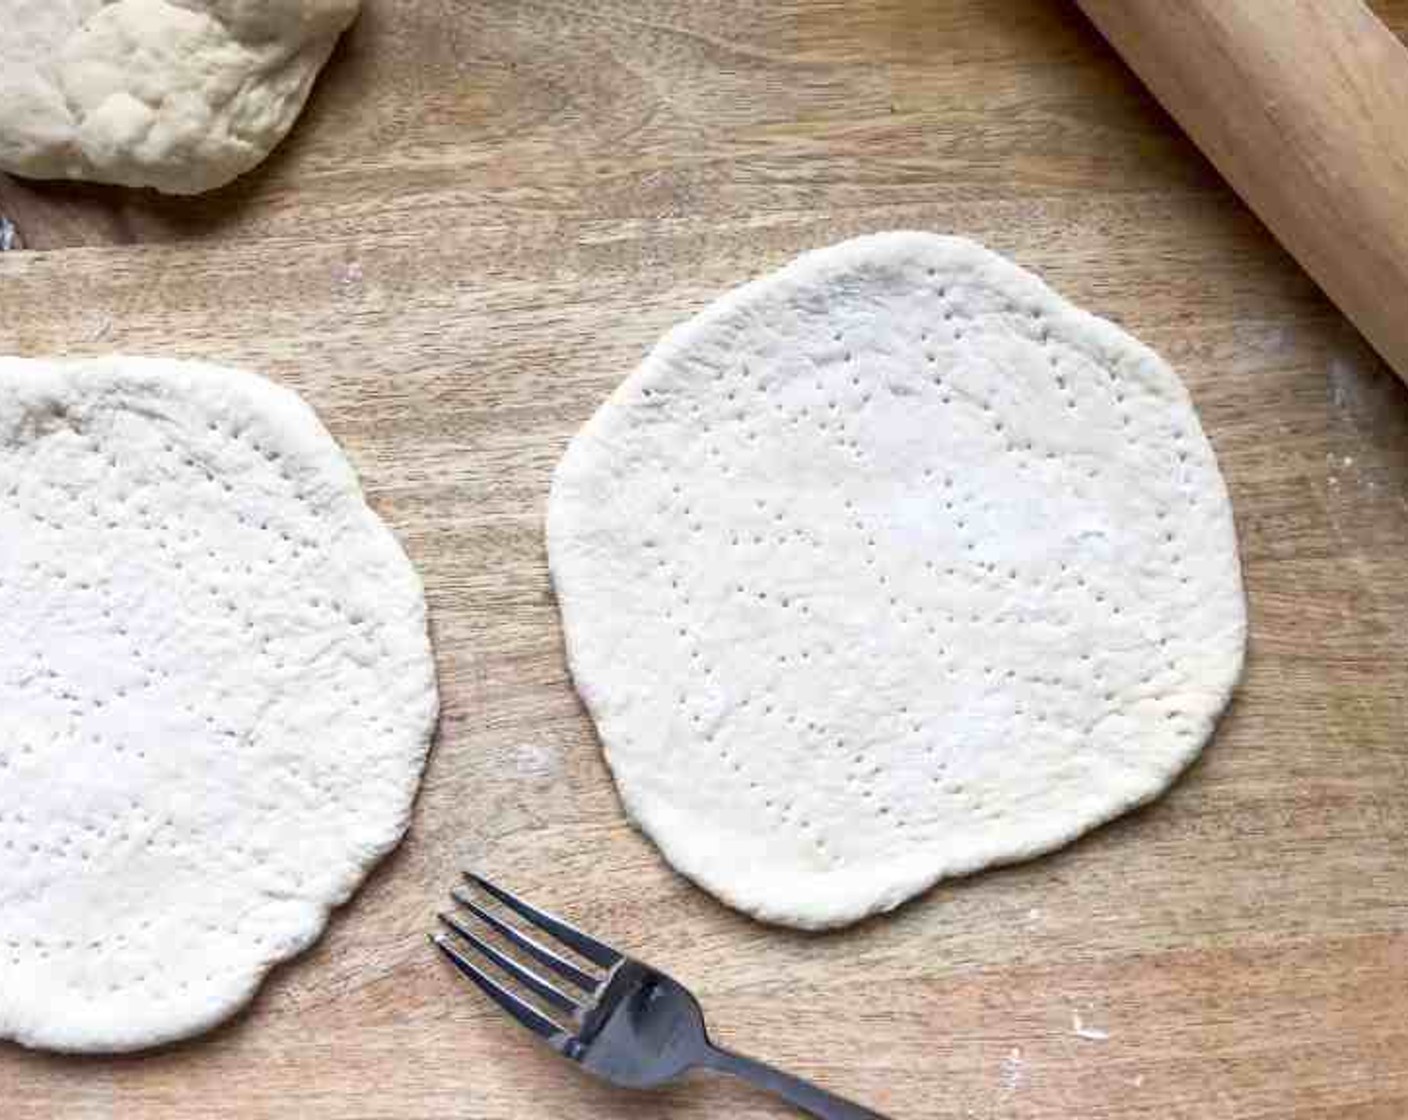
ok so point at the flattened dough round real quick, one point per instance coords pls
(891, 566)
(217, 690)
(181, 95)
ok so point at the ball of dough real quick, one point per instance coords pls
(217, 693)
(180, 95)
(891, 566)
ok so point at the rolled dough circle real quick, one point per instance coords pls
(891, 566)
(217, 689)
(180, 95)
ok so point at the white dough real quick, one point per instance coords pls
(181, 95)
(891, 566)
(217, 693)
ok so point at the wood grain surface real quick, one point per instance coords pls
(489, 212)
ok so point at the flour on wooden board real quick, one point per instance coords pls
(1081, 1030)
(1013, 1069)
(888, 567)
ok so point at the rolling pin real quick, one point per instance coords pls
(1302, 105)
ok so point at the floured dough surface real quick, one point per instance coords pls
(217, 693)
(181, 95)
(891, 566)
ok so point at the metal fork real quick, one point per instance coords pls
(629, 1024)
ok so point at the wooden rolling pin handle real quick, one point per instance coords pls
(1303, 107)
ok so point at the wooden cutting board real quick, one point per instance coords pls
(489, 212)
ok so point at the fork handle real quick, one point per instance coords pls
(806, 1096)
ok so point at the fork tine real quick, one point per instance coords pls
(525, 1013)
(525, 976)
(541, 953)
(588, 946)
